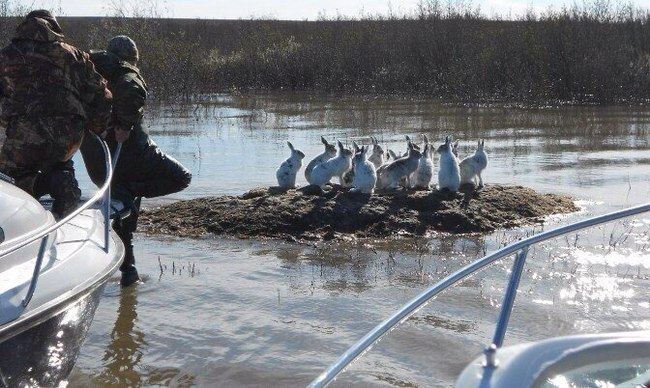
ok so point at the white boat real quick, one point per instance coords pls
(619, 359)
(52, 275)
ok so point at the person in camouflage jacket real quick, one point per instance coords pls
(142, 169)
(49, 92)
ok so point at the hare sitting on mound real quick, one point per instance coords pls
(348, 177)
(391, 156)
(397, 170)
(421, 177)
(377, 157)
(454, 148)
(286, 173)
(425, 140)
(472, 166)
(365, 176)
(448, 173)
(324, 172)
(328, 153)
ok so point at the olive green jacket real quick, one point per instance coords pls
(128, 87)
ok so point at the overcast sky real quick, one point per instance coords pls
(286, 9)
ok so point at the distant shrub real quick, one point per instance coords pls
(597, 52)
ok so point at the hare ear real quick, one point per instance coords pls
(482, 142)
(426, 139)
(290, 145)
(356, 147)
(426, 149)
(447, 140)
(340, 145)
(322, 139)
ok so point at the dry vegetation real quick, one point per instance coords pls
(593, 53)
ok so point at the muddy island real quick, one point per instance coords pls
(309, 215)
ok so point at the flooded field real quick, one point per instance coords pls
(227, 312)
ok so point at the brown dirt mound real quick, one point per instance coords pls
(304, 215)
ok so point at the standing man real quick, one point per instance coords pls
(142, 169)
(49, 92)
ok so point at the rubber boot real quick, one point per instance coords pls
(129, 272)
(124, 229)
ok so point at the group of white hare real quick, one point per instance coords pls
(380, 170)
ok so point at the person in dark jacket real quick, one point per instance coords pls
(142, 169)
(49, 92)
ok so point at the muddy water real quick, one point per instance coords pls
(219, 312)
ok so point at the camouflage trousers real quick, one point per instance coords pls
(36, 152)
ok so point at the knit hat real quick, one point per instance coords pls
(124, 47)
(48, 17)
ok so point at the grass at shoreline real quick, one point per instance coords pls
(575, 55)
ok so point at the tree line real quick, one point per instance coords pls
(595, 53)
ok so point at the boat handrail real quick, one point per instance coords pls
(22, 241)
(520, 247)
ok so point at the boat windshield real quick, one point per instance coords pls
(615, 373)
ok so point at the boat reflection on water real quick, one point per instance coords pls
(123, 357)
(124, 352)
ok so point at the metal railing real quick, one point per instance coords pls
(103, 193)
(520, 248)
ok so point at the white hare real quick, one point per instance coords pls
(393, 174)
(454, 147)
(377, 157)
(425, 167)
(422, 176)
(365, 176)
(472, 166)
(388, 161)
(392, 155)
(324, 172)
(348, 177)
(328, 153)
(449, 171)
(410, 143)
(425, 142)
(286, 173)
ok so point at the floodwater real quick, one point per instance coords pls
(225, 312)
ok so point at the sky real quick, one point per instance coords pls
(287, 9)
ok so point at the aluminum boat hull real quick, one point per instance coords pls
(49, 288)
(43, 350)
